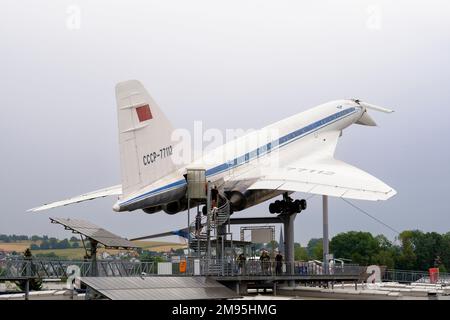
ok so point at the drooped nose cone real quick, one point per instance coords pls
(116, 207)
(366, 120)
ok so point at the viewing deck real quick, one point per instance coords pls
(252, 270)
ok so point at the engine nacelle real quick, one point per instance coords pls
(238, 201)
(151, 210)
(175, 207)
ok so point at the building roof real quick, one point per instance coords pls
(158, 288)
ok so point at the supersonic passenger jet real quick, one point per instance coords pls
(292, 155)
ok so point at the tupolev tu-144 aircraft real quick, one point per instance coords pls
(292, 155)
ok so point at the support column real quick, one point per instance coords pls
(325, 233)
(94, 267)
(221, 237)
(189, 225)
(199, 251)
(27, 289)
(208, 226)
(29, 275)
(288, 220)
(242, 288)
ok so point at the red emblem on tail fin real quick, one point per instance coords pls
(144, 113)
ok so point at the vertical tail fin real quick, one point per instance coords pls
(144, 137)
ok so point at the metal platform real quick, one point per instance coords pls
(156, 288)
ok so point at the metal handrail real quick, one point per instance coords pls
(408, 276)
(45, 268)
(41, 268)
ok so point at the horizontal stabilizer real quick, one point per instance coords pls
(110, 191)
(181, 233)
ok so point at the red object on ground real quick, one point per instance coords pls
(434, 275)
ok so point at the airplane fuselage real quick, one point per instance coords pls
(236, 164)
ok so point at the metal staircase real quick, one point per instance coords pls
(223, 212)
(220, 217)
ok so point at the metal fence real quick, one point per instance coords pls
(407, 276)
(257, 268)
(17, 268)
(48, 269)
(57, 269)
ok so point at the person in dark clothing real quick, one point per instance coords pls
(198, 224)
(278, 263)
(241, 263)
(265, 262)
(214, 197)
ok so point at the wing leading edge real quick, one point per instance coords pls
(326, 177)
(110, 191)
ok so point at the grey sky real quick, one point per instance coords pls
(233, 64)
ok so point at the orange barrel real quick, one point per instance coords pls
(183, 266)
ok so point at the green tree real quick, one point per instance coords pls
(318, 251)
(148, 256)
(360, 247)
(383, 242)
(407, 258)
(427, 247)
(313, 248)
(53, 243)
(300, 253)
(35, 238)
(63, 244)
(384, 258)
(445, 255)
(44, 245)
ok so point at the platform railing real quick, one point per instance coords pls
(407, 276)
(48, 269)
(16, 268)
(257, 268)
(20, 268)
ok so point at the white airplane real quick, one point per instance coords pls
(293, 155)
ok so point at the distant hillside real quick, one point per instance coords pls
(78, 253)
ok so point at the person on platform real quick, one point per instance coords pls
(265, 262)
(198, 224)
(214, 197)
(278, 263)
(241, 263)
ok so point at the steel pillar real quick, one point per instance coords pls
(221, 232)
(208, 222)
(288, 220)
(189, 224)
(325, 233)
(93, 256)
(27, 289)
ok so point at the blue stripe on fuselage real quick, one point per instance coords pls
(265, 149)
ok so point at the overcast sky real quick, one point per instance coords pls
(231, 64)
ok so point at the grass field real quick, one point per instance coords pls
(20, 246)
(78, 253)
